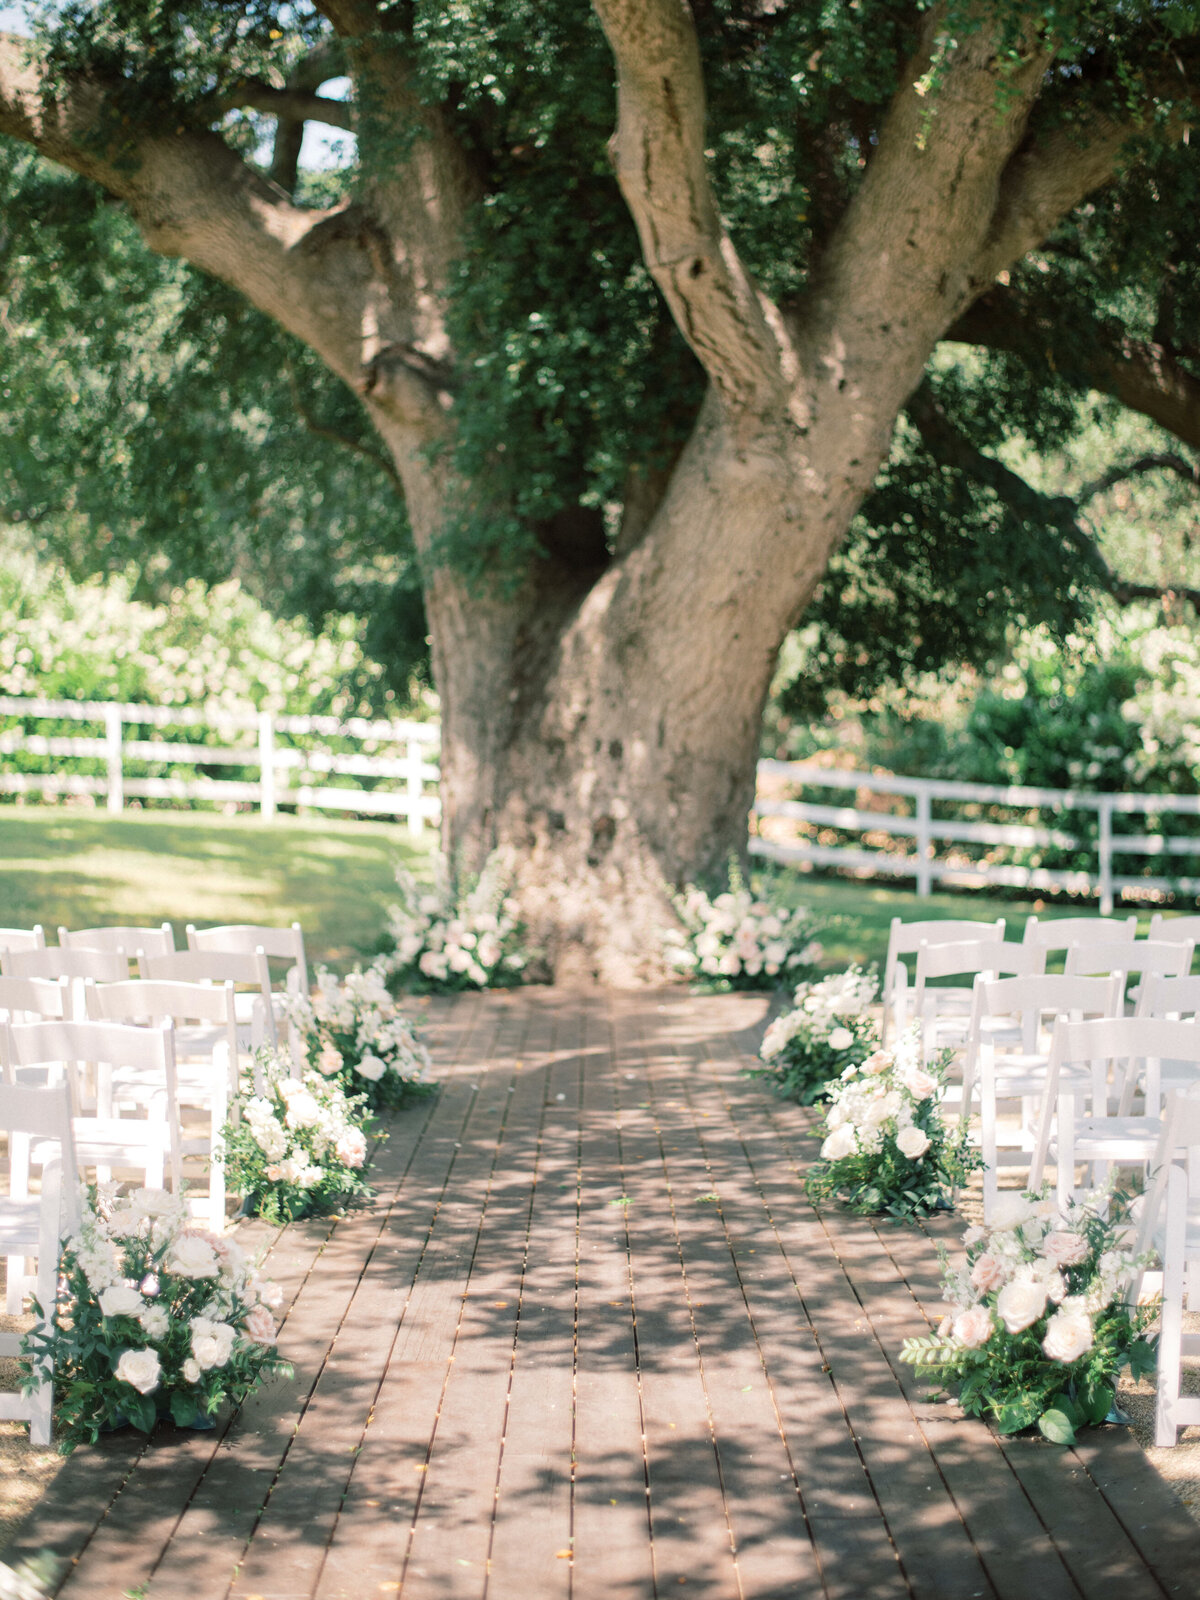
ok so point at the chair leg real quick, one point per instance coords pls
(1170, 1338)
(1065, 1162)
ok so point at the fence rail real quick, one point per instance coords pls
(389, 769)
(397, 779)
(799, 839)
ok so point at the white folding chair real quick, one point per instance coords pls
(158, 941)
(23, 938)
(1083, 1056)
(1060, 933)
(1175, 998)
(943, 1011)
(905, 939)
(1130, 957)
(1174, 928)
(206, 1063)
(1007, 1055)
(1170, 1224)
(280, 944)
(32, 1228)
(247, 971)
(149, 1144)
(28, 999)
(102, 966)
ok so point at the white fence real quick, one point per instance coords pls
(388, 764)
(389, 769)
(804, 832)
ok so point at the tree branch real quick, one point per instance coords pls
(1189, 471)
(1143, 376)
(319, 431)
(952, 448)
(290, 104)
(658, 153)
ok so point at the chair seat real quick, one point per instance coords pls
(19, 1227)
(1116, 1138)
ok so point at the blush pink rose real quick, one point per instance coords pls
(988, 1273)
(259, 1326)
(1065, 1249)
(973, 1327)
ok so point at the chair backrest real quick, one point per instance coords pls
(1034, 999)
(1174, 928)
(23, 938)
(965, 957)
(1180, 1131)
(906, 939)
(105, 966)
(67, 1044)
(244, 969)
(146, 1000)
(24, 999)
(1169, 997)
(1062, 932)
(1130, 955)
(158, 941)
(280, 944)
(1125, 1042)
(45, 1113)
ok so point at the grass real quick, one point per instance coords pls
(86, 869)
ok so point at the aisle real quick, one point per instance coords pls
(590, 1341)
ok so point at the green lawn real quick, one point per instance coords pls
(84, 869)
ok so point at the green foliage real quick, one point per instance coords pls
(887, 1147)
(295, 1147)
(1041, 1329)
(191, 1313)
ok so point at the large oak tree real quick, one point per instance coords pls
(863, 183)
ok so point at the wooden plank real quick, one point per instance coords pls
(611, 1525)
(285, 1554)
(690, 1533)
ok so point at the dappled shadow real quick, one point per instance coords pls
(592, 1337)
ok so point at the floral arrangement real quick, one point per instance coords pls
(887, 1147)
(739, 940)
(827, 1030)
(456, 935)
(155, 1317)
(353, 1031)
(1040, 1327)
(294, 1146)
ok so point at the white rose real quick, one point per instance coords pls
(155, 1322)
(841, 1039)
(120, 1301)
(309, 1177)
(191, 1370)
(1068, 1335)
(212, 1342)
(140, 1369)
(191, 1257)
(153, 1202)
(1019, 1304)
(973, 1327)
(371, 1068)
(1010, 1210)
(840, 1143)
(918, 1082)
(912, 1142)
(303, 1111)
(351, 1148)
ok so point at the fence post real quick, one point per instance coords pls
(266, 762)
(112, 739)
(416, 789)
(1105, 848)
(924, 846)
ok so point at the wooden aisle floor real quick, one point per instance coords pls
(590, 1342)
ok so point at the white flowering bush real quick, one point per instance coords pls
(1040, 1328)
(294, 1147)
(456, 934)
(155, 1318)
(740, 940)
(354, 1032)
(887, 1146)
(828, 1028)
